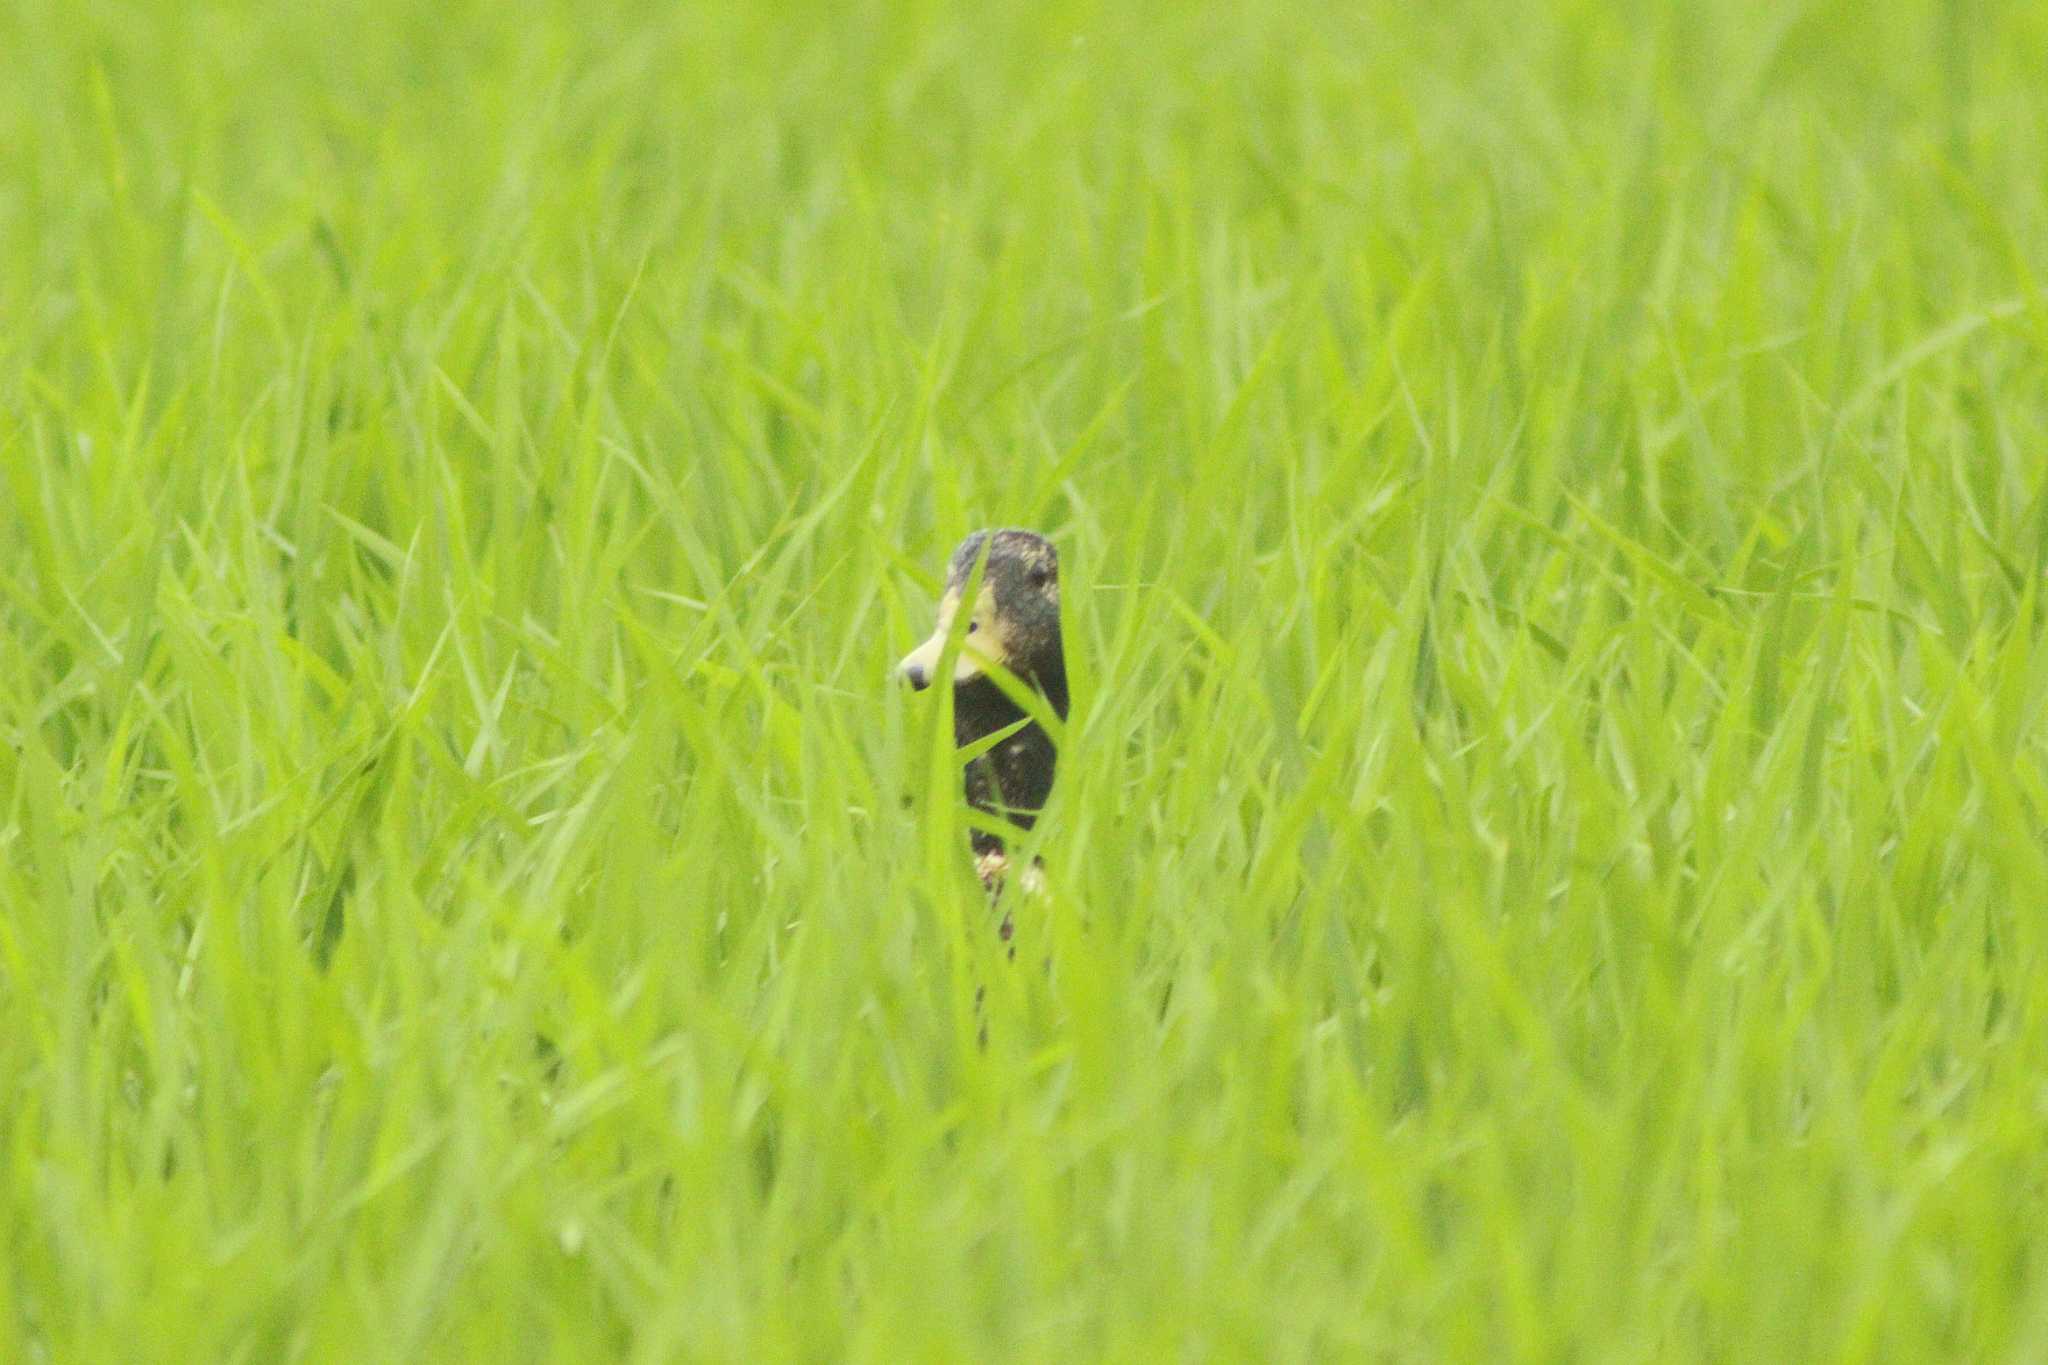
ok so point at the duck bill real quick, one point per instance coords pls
(921, 665)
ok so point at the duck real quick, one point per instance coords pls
(1013, 622)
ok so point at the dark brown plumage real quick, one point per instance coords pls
(1015, 622)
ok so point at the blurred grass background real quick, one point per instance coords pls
(1548, 863)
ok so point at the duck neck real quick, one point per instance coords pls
(1052, 681)
(980, 708)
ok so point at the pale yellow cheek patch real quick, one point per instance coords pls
(976, 648)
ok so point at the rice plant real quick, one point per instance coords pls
(1547, 861)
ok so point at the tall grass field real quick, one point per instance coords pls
(1550, 853)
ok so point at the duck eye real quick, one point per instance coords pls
(973, 626)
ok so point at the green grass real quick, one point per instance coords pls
(1549, 858)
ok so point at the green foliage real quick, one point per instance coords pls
(1548, 860)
